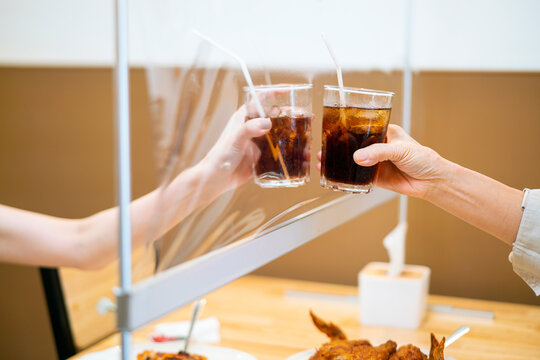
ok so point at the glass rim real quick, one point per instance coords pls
(360, 90)
(262, 88)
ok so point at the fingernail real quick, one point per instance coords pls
(360, 156)
(265, 123)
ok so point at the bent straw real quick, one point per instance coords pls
(274, 149)
(338, 70)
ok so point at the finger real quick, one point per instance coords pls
(319, 166)
(319, 154)
(268, 94)
(250, 129)
(236, 121)
(396, 132)
(279, 89)
(307, 154)
(257, 127)
(265, 95)
(376, 153)
(254, 153)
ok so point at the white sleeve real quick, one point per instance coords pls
(525, 255)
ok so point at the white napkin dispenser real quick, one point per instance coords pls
(396, 301)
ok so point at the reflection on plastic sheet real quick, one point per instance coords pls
(198, 128)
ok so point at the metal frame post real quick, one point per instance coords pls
(407, 93)
(121, 82)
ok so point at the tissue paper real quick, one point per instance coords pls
(394, 243)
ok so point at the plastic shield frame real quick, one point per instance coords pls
(218, 226)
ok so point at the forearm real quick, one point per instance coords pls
(151, 215)
(35, 239)
(90, 243)
(478, 200)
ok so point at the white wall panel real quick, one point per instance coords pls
(446, 35)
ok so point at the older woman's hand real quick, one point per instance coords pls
(405, 166)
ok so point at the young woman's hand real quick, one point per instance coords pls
(229, 163)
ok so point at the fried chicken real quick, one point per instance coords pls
(408, 352)
(153, 355)
(329, 329)
(436, 352)
(354, 350)
(339, 348)
(411, 352)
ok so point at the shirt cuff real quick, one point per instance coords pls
(525, 255)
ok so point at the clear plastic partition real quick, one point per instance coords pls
(211, 73)
(198, 122)
(196, 98)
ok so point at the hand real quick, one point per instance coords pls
(229, 163)
(405, 166)
(412, 169)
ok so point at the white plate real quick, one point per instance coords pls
(306, 354)
(211, 352)
(302, 355)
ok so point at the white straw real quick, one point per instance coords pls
(338, 70)
(245, 71)
(275, 148)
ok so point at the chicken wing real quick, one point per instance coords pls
(339, 348)
(408, 352)
(329, 329)
(436, 352)
(354, 350)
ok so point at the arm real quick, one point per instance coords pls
(412, 169)
(415, 170)
(89, 243)
(479, 200)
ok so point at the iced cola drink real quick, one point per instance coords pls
(360, 122)
(285, 149)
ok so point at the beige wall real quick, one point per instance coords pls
(56, 157)
(489, 122)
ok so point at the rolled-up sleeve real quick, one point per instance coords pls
(525, 255)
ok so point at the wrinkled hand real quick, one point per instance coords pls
(229, 163)
(405, 166)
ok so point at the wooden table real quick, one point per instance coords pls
(257, 317)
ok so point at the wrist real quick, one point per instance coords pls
(442, 183)
(208, 178)
(199, 171)
(194, 185)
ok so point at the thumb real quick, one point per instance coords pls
(250, 129)
(376, 153)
